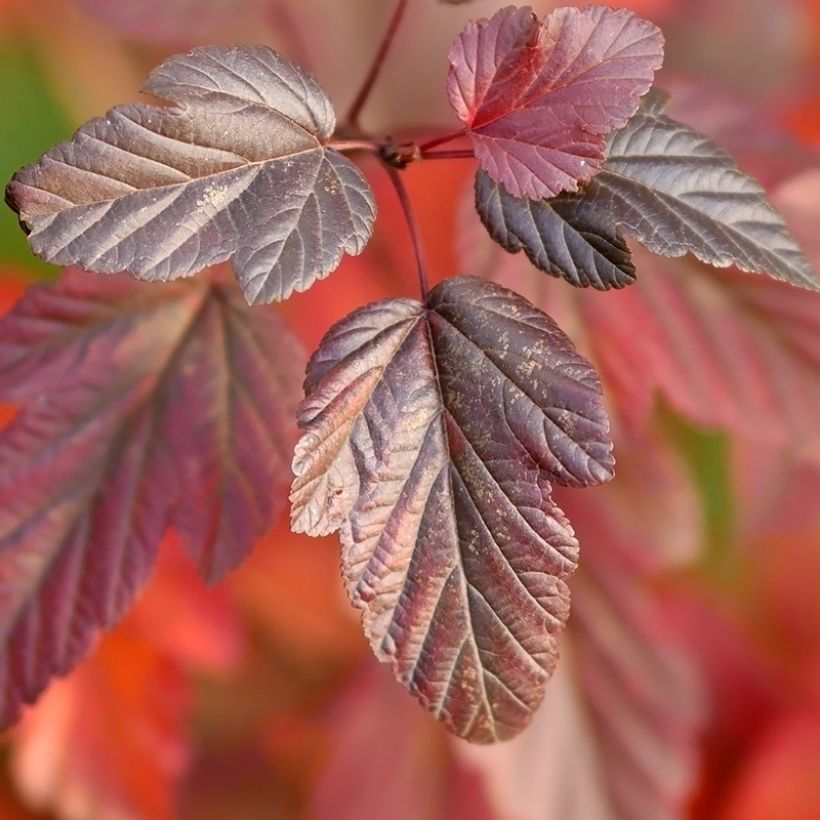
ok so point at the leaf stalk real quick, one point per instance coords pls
(412, 226)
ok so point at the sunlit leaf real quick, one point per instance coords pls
(539, 98)
(432, 433)
(141, 407)
(237, 169)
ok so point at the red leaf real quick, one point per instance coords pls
(110, 740)
(142, 407)
(236, 169)
(174, 20)
(420, 779)
(781, 775)
(539, 98)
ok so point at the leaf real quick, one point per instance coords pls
(141, 408)
(617, 736)
(237, 169)
(432, 433)
(557, 236)
(724, 349)
(663, 184)
(676, 192)
(126, 756)
(778, 776)
(110, 741)
(538, 98)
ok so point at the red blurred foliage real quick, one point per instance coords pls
(261, 700)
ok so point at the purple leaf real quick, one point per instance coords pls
(432, 434)
(557, 236)
(237, 170)
(539, 98)
(140, 408)
(677, 192)
(617, 736)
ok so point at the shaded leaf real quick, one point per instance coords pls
(432, 434)
(538, 98)
(663, 184)
(122, 758)
(557, 236)
(236, 170)
(141, 408)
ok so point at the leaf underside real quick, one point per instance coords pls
(141, 408)
(432, 435)
(663, 184)
(539, 98)
(236, 169)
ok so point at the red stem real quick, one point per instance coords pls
(454, 135)
(467, 153)
(352, 119)
(412, 225)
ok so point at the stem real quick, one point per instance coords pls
(412, 225)
(453, 135)
(467, 153)
(355, 145)
(352, 119)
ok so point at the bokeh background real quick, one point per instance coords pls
(690, 679)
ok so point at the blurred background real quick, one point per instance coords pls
(689, 685)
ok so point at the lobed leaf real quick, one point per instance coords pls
(237, 169)
(539, 98)
(667, 186)
(141, 408)
(432, 433)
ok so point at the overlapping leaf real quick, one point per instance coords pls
(625, 701)
(432, 433)
(724, 348)
(237, 170)
(539, 98)
(140, 408)
(557, 235)
(663, 184)
(421, 778)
